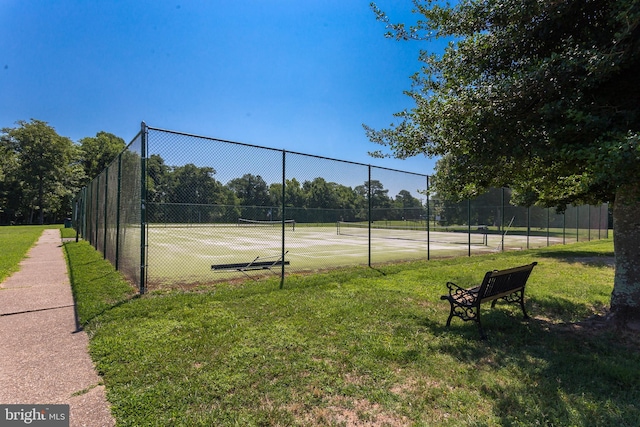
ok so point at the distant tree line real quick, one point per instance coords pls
(41, 171)
(188, 193)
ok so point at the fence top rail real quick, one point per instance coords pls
(151, 128)
(130, 142)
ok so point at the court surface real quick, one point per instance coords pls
(184, 254)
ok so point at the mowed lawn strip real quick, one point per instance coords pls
(365, 347)
(15, 242)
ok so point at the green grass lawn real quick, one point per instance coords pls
(362, 346)
(15, 241)
(67, 233)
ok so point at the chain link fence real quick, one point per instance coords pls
(180, 210)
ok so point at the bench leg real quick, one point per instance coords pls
(466, 313)
(524, 312)
(483, 336)
(450, 315)
(513, 298)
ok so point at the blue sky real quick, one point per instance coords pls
(301, 75)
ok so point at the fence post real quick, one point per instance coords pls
(599, 220)
(143, 209)
(284, 215)
(548, 225)
(95, 221)
(589, 224)
(502, 222)
(87, 212)
(106, 205)
(83, 213)
(528, 225)
(469, 226)
(428, 217)
(370, 217)
(118, 201)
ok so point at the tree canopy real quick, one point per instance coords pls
(97, 152)
(41, 171)
(535, 95)
(251, 197)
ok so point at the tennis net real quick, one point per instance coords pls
(243, 222)
(410, 230)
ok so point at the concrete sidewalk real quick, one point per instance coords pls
(44, 355)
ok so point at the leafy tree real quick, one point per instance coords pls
(158, 182)
(294, 196)
(42, 166)
(408, 206)
(252, 190)
(380, 201)
(253, 194)
(348, 201)
(539, 96)
(99, 151)
(194, 185)
(9, 185)
(196, 189)
(320, 194)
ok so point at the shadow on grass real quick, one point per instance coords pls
(562, 309)
(545, 372)
(95, 285)
(597, 258)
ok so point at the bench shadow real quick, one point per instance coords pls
(582, 257)
(564, 368)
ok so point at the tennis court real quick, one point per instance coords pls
(185, 254)
(170, 206)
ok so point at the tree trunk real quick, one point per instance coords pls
(625, 298)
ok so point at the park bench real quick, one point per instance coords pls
(258, 263)
(498, 284)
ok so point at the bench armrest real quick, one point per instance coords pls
(457, 292)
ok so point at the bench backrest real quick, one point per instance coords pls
(503, 282)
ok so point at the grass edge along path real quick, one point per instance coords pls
(96, 285)
(15, 242)
(362, 346)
